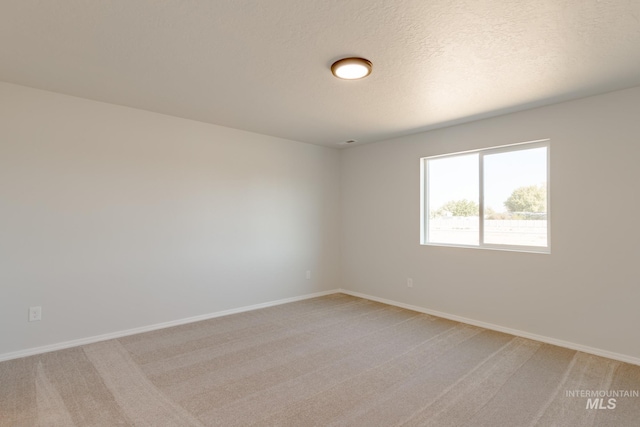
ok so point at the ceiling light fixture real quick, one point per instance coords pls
(351, 68)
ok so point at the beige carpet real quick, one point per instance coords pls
(335, 360)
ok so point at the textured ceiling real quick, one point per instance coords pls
(263, 66)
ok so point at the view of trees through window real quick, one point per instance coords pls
(511, 191)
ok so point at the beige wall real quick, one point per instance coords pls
(113, 218)
(587, 291)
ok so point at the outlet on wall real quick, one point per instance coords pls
(308, 274)
(35, 314)
(409, 282)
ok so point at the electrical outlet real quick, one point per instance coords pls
(308, 274)
(409, 282)
(35, 314)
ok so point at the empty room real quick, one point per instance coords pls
(319, 213)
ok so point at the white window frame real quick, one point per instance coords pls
(425, 208)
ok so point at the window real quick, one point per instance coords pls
(496, 198)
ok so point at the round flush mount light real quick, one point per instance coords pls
(351, 68)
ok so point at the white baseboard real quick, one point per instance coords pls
(120, 334)
(583, 348)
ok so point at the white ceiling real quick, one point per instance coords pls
(263, 66)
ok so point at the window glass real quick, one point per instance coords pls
(515, 198)
(453, 196)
